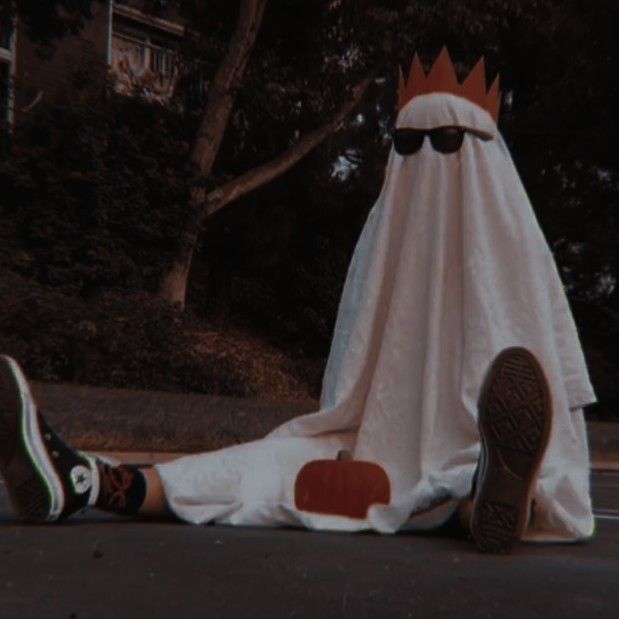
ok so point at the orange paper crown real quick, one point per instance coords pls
(442, 78)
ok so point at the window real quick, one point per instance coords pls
(144, 58)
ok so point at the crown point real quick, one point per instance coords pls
(474, 86)
(401, 88)
(442, 76)
(477, 77)
(493, 101)
(416, 84)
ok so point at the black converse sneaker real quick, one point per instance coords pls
(515, 414)
(45, 479)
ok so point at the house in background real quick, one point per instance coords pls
(124, 45)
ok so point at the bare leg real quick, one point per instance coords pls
(130, 490)
(154, 505)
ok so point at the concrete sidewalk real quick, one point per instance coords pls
(154, 423)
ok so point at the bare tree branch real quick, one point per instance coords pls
(174, 282)
(225, 85)
(234, 189)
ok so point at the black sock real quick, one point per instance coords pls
(122, 489)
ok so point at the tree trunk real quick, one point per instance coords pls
(225, 86)
(174, 284)
(219, 102)
(173, 287)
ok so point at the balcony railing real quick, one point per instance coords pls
(140, 65)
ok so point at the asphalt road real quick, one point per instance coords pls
(99, 566)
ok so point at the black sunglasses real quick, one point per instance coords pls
(448, 139)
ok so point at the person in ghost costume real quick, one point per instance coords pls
(454, 351)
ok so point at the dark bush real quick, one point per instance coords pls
(97, 195)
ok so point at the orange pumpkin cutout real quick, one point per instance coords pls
(341, 488)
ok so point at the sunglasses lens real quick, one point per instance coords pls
(407, 141)
(447, 139)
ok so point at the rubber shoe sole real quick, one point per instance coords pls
(34, 489)
(515, 415)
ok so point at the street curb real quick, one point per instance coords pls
(126, 420)
(603, 441)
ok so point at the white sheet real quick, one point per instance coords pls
(450, 268)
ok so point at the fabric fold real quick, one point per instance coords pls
(451, 267)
